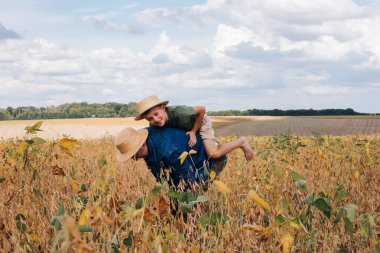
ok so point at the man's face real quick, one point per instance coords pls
(141, 153)
(156, 116)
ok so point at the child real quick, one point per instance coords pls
(190, 119)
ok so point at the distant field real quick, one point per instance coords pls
(331, 125)
(239, 125)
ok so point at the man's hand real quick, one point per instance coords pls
(193, 138)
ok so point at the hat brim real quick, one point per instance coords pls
(139, 117)
(126, 156)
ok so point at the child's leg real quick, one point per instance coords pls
(214, 151)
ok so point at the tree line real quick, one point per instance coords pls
(116, 110)
(70, 111)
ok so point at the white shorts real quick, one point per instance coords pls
(206, 130)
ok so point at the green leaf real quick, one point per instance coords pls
(2, 180)
(309, 200)
(81, 199)
(21, 227)
(299, 180)
(84, 228)
(186, 197)
(20, 217)
(295, 176)
(364, 226)
(38, 141)
(204, 220)
(323, 205)
(202, 198)
(83, 187)
(128, 241)
(114, 249)
(279, 220)
(139, 203)
(56, 223)
(185, 207)
(218, 218)
(284, 204)
(350, 210)
(156, 189)
(61, 210)
(349, 226)
(174, 194)
(121, 202)
(301, 183)
(338, 215)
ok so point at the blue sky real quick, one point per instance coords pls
(224, 54)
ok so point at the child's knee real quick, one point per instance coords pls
(215, 155)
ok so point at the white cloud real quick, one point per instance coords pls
(103, 23)
(330, 90)
(247, 53)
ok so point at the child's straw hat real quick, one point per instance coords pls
(146, 104)
(128, 142)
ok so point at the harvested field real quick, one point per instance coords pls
(303, 126)
(227, 125)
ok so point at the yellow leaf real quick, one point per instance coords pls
(253, 227)
(85, 216)
(131, 212)
(286, 242)
(295, 223)
(222, 187)
(67, 143)
(238, 172)
(183, 156)
(74, 185)
(22, 147)
(33, 129)
(35, 238)
(367, 148)
(212, 175)
(101, 185)
(98, 211)
(259, 201)
(356, 175)
(267, 231)
(191, 152)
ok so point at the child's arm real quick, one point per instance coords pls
(200, 110)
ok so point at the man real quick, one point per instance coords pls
(161, 148)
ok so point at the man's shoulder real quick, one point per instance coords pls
(164, 130)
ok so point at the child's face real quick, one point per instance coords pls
(156, 116)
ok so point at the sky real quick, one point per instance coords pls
(223, 54)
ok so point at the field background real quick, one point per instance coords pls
(224, 125)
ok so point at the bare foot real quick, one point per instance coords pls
(248, 152)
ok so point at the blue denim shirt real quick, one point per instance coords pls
(165, 145)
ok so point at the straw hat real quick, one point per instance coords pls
(147, 103)
(128, 142)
